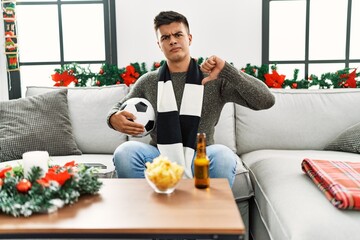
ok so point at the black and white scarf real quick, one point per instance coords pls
(176, 132)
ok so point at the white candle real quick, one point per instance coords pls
(35, 158)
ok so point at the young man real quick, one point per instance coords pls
(188, 99)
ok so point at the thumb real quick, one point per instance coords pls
(212, 76)
(128, 115)
(205, 80)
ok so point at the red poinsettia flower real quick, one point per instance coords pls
(157, 64)
(58, 174)
(59, 177)
(274, 80)
(350, 79)
(63, 79)
(130, 75)
(54, 168)
(70, 164)
(5, 170)
(43, 182)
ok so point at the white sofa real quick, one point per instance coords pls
(280, 201)
(272, 144)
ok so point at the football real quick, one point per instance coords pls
(143, 111)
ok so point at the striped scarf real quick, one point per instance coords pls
(176, 132)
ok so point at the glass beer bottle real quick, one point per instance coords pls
(201, 163)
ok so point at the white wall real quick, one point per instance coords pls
(230, 29)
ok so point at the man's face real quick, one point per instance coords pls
(174, 41)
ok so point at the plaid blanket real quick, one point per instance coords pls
(339, 181)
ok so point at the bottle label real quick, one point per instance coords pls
(201, 169)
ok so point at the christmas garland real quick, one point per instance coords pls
(344, 78)
(111, 74)
(61, 185)
(108, 74)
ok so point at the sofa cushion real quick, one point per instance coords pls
(347, 141)
(242, 188)
(88, 108)
(225, 128)
(291, 206)
(300, 119)
(39, 123)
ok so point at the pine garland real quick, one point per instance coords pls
(60, 186)
(111, 74)
(344, 78)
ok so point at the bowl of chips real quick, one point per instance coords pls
(163, 175)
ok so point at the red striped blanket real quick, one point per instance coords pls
(339, 181)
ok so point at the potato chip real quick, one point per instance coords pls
(164, 173)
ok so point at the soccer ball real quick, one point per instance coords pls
(143, 111)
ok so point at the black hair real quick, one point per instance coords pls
(167, 17)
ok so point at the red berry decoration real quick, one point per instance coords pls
(98, 83)
(23, 186)
(101, 71)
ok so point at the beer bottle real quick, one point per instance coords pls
(201, 163)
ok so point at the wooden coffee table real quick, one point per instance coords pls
(129, 208)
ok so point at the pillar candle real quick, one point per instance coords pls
(35, 158)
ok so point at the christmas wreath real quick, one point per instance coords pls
(38, 193)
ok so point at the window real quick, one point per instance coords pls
(314, 36)
(57, 32)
